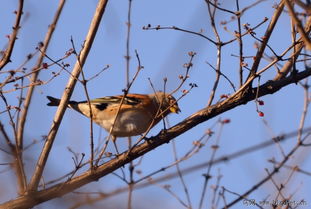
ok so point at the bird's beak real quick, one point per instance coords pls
(175, 109)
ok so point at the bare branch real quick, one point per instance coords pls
(298, 23)
(7, 54)
(267, 35)
(66, 96)
(288, 66)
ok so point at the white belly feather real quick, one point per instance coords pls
(128, 123)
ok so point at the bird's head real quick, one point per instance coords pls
(166, 102)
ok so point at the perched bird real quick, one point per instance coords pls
(137, 114)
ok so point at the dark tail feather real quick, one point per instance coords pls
(53, 101)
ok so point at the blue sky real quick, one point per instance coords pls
(162, 54)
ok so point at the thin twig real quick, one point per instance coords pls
(305, 110)
(35, 70)
(183, 78)
(148, 27)
(128, 58)
(246, 33)
(180, 175)
(6, 136)
(240, 40)
(207, 174)
(222, 74)
(128, 37)
(84, 84)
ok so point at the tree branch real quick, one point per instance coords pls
(67, 94)
(7, 54)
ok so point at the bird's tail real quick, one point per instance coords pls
(53, 101)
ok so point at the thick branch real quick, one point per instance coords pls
(67, 94)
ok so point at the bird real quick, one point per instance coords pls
(137, 114)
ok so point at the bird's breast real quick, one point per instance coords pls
(129, 123)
